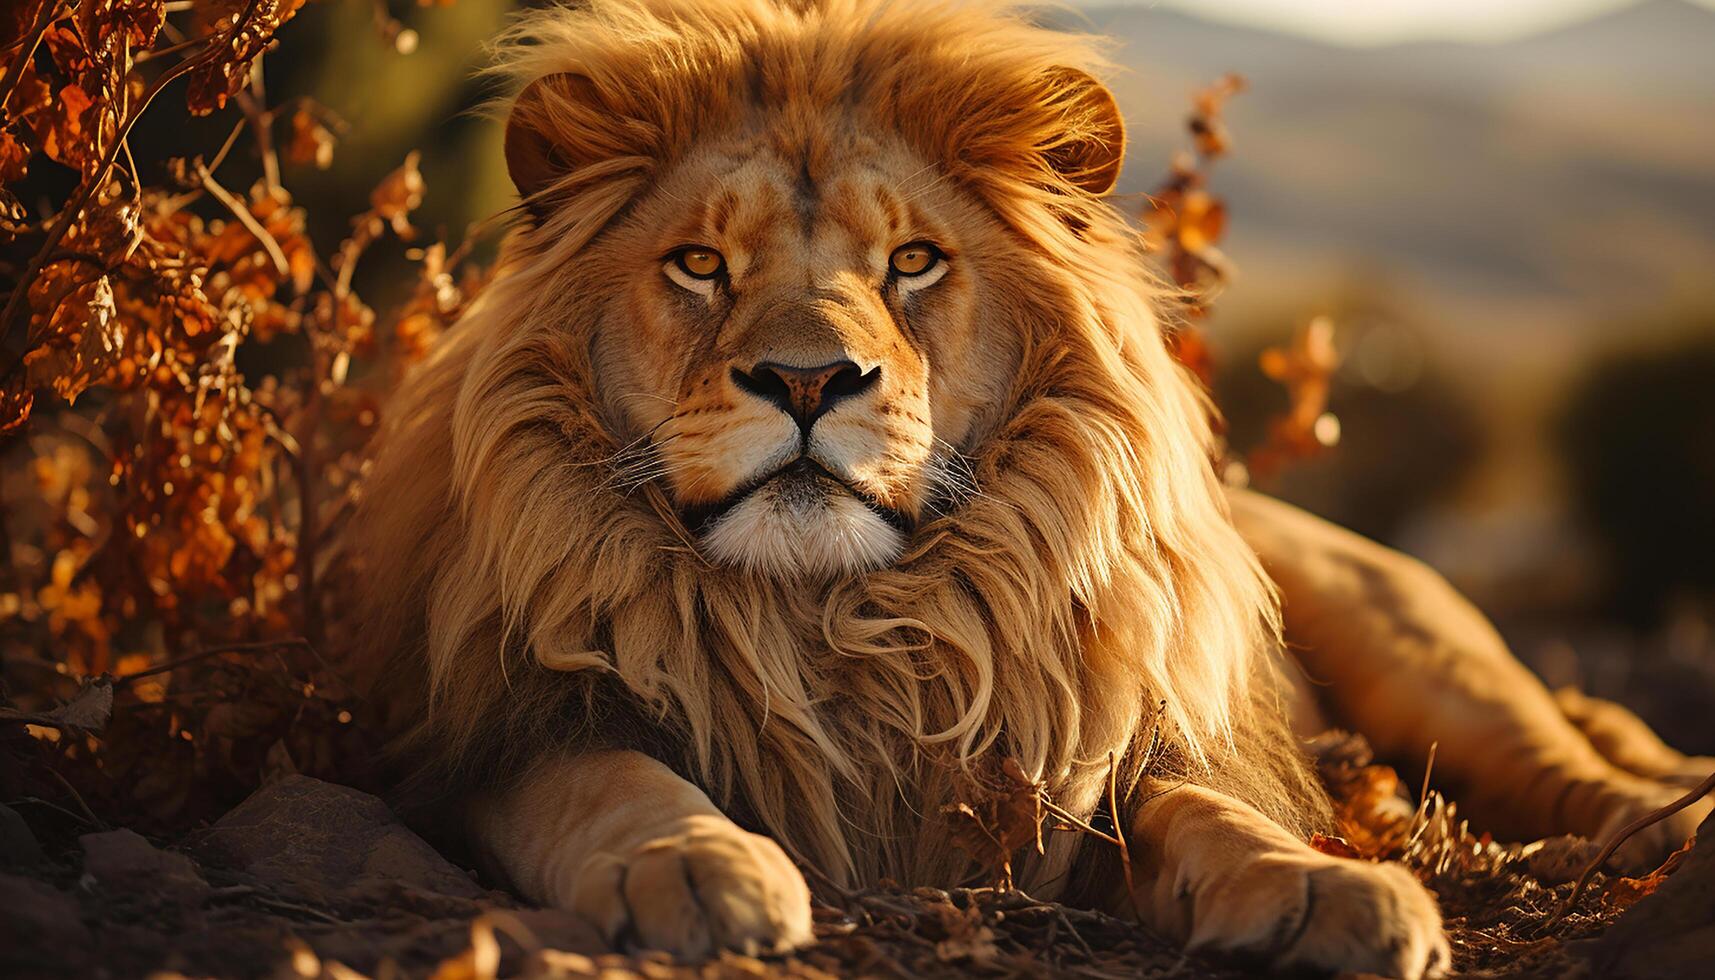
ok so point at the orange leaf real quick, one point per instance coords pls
(16, 400)
(398, 194)
(311, 141)
(14, 157)
(214, 81)
(1335, 846)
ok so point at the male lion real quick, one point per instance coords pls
(815, 443)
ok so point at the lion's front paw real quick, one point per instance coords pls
(1328, 914)
(703, 886)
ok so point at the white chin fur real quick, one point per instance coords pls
(785, 536)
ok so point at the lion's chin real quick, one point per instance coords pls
(790, 528)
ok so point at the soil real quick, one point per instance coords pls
(311, 879)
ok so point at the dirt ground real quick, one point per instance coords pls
(312, 879)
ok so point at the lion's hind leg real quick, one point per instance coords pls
(1628, 742)
(1411, 664)
(1217, 874)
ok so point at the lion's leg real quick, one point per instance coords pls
(643, 855)
(1216, 874)
(1625, 740)
(1410, 663)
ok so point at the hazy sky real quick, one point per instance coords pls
(1384, 21)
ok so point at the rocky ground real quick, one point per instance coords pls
(311, 879)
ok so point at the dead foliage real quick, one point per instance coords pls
(187, 382)
(1009, 811)
(1184, 223)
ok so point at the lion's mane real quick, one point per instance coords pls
(516, 603)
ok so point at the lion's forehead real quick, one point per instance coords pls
(771, 205)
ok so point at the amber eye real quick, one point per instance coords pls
(914, 259)
(699, 262)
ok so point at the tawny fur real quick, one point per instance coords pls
(519, 598)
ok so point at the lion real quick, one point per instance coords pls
(815, 442)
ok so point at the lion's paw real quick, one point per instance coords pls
(1327, 913)
(704, 886)
(1645, 850)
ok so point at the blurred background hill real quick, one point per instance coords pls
(1509, 210)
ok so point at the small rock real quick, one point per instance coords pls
(1668, 934)
(18, 847)
(325, 840)
(123, 859)
(41, 929)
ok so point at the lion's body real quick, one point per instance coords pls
(1058, 577)
(1095, 577)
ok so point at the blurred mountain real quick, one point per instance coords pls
(1514, 191)
(1477, 216)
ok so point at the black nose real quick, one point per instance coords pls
(806, 393)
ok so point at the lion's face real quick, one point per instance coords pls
(809, 255)
(794, 348)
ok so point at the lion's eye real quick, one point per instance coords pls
(914, 259)
(699, 262)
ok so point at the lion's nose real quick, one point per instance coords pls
(806, 393)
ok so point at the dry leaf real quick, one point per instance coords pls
(311, 141)
(250, 29)
(1623, 893)
(1004, 814)
(1335, 846)
(88, 711)
(398, 194)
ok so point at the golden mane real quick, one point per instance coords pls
(516, 602)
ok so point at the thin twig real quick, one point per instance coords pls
(1065, 920)
(1654, 816)
(226, 147)
(144, 57)
(1419, 819)
(78, 797)
(1065, 816)
(1149, 751)
(282, 905)
(261, 124)
(247, 219)
(38, 801)
(1428, 770)
(1119, 835)
(307, 473)
(261, 646)
(311, 106)
(844, 894)
(15, 68)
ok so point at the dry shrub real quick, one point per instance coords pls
(167, 510)
(1183, 224)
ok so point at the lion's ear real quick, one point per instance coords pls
(557, 125)
(1092, 143)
